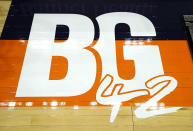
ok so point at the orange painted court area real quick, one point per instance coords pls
(175, 55)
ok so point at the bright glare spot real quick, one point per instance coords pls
(128, 42)
(76, 107)
(45, 103)
(22, 41)
(12, 103)
(137, 104)
(62, 103)
(93, 103)
(54, 103)
(140, 43)
(28, 103)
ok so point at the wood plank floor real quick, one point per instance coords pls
(4, 8)
(86, 118)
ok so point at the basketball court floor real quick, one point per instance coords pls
(57, 116)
